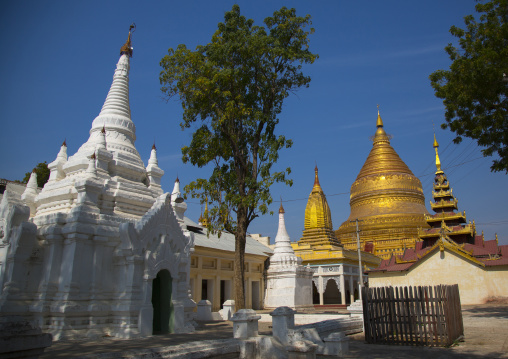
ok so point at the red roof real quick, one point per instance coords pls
(487, 252)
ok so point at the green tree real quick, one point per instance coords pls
(232, 90)
(42, 171)
(474, 90)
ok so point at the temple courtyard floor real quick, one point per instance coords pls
(485, 332)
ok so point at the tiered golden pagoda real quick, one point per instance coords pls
(388, 201)
(319, 245)
(445, 220)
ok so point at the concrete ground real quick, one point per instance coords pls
(485, 332)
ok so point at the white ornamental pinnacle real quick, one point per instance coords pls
(176, 190)
(91, 170)
(283, 251)
(101, 140)
(153, 156)
(31, 187)
(62, 154)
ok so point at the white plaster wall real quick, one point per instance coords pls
(476, 284)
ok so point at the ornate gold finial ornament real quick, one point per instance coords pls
(155, 148)
(379, 122)
(64, 143)
(281, 209)
(205, 221)
(127, 47)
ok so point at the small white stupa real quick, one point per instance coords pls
(289, 283)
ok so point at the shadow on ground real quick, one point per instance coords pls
(498, 311)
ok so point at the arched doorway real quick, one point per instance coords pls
(315, 294)
(332, 293)
(163, 317)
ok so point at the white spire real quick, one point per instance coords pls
(62, 154)
(56, 167)
(153, 157)
(115, 119)
(91, 170)
(176, 190)
(283, 251)
(32, 182)
(30, 192)
(101, 140)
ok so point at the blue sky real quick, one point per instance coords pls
(58, 59)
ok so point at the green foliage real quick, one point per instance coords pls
(474, 90)
(232, 90)
(42, 171)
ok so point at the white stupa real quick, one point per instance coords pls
(289, 283)
(103, 251)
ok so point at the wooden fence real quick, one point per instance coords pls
(412, 315)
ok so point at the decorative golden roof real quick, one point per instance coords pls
(318, 227)
(444, 205)
(386, 196)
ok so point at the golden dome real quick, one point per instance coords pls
(386, 196)
(318, 227)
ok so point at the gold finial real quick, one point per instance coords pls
(64, 143)
(204, 221)
(127, 47)
(438, 162)
(379, 122)
(316, 178)
(155, 148)
(496, 239)
(281, 209)
(34, 170)
(177, 180)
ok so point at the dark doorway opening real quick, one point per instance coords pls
(162, 305)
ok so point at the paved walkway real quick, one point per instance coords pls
(485, 330)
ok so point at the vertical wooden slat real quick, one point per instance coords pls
(439, 310)
(393, 316)
(381, 315)
(374, 315)
(423, 312)
(403, 295)
(432, 326)
(418, 310)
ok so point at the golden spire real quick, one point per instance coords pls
(380, 135)
(379, 122)
(204, 221)
(317, 186)
(127, 47)
(318, 227)
(281, 209)
(438, 162)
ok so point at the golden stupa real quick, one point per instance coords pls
(319, 245)
(388, 201)
(318, 227)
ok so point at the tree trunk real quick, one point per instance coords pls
(240, 239)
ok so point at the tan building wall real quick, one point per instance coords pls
(212, 270)
(476, 284)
